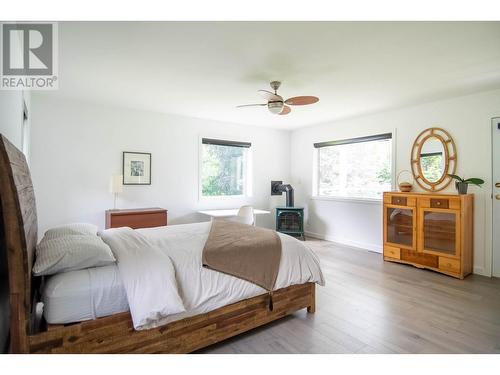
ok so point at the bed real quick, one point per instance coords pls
(105, 325)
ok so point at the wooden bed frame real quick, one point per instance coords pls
(115, 333)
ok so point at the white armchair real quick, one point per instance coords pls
(245, 215)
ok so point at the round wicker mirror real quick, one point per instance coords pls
(433, 157)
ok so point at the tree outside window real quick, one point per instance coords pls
(223, 171)
(355, 169)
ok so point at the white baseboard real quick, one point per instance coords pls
(480, 271)
(342, 241)
(372, 247)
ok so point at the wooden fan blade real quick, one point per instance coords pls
(301, 100)
(286, 110)
(269, 96)
(250, 105)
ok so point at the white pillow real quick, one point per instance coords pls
(69, 253)
(71, 229)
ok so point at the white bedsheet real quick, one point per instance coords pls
(148, 276)
(81, 295)
(200, 289)
(198, 286)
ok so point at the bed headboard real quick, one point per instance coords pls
(19, 221)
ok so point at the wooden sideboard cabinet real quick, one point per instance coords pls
(136, 218)
(428, 230)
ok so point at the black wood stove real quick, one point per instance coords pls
(289, 219)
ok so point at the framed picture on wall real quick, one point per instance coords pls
(136, 168)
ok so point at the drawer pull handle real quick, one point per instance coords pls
(400, 201)
(439, 203)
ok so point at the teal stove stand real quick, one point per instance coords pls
(290, 220)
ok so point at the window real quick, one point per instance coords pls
(355, 168)
(224, 168)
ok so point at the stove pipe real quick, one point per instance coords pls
(277, 188)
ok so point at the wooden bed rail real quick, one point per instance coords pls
(116, 334)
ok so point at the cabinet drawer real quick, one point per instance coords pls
(440, 203)
(416, 257)
(451, 203)
(392, 252)
(450, 265)
(399, 201)
(139, 220)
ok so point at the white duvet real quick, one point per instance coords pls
(164, 279)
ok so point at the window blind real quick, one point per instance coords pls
(369, 138)
(221, 142)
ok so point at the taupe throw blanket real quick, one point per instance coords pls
(244, 251)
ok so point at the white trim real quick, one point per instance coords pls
(491, 206)
(315, 172)
(249, 172)
(344, 242)
(480, 271)
(393, 158)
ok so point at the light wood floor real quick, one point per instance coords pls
(372, 306)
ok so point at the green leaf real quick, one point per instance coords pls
(456, 177)
(475, 181)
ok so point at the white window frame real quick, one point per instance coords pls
(247, 172)
(315, 177)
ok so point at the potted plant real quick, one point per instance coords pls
(462, 184)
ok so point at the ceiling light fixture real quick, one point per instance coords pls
(275, 107)
(275, 103)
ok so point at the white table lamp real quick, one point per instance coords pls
(116, 186)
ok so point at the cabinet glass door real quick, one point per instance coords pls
(439, 231)
(400, 226)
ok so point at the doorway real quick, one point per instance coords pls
(495, 137)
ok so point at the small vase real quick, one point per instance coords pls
(461, 187)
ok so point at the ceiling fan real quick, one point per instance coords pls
(275, 102)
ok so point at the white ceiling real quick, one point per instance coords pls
(205, 69)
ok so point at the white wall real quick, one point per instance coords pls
(468, 119)
(77, 146)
